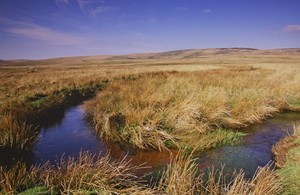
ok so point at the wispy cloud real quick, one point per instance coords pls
(206, 11)
(95, 8)
(99, 10)
(179, 8)
(294, 28)
(37, 32)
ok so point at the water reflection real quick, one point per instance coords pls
(72, 133)
(256, 148)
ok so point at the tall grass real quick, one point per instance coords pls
(90, 174)
(181, 177)
(17, 178)
(16, 134)
(183, 103)
(87, 174)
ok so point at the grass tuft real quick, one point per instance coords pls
(16, 134)
(181, 177)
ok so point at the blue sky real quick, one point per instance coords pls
(36, 29)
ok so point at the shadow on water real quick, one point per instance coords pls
(72, 133)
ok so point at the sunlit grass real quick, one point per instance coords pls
(83, 175)
(90, 174)
(183, 177)
(173, 104)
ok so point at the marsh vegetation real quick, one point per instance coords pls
(192, 100)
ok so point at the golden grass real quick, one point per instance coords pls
(86, 174)
(90, 174)
(17, 178)
(175, 103)
(181, 177)
(204, 91)
(16, 134)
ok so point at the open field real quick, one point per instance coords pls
(189, 99)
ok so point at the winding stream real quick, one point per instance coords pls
(72, 134)
(256, 147)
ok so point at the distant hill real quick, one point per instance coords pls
(168, 55)
(2, 61)
(9, 62)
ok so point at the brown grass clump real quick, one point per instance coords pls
(179, 103)
(87, 174)
(16, 134)
(181, 177)
(92, 173)
(17, 178)
(281, 149)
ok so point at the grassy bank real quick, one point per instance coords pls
(19, 121)
(187, 108)
(287, 157)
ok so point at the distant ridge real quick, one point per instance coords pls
(8, 62)
(183, 54)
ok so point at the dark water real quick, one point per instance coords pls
(67, 137)
(72, 134)
(256, 147)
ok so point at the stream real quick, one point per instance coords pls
(73, 133)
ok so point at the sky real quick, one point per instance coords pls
(40, 29)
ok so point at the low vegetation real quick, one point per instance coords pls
(287, 158)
